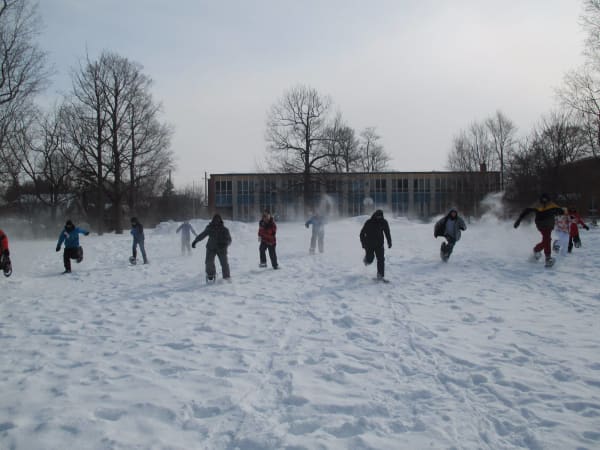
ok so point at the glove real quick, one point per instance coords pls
(6, 252)
(86, 233)
(586, 227)
(194, 244)
(390, 245)
(306, 225)
(58, 248)
(517, 223)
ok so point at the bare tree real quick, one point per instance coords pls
(372, 156)
(86, 122)
(502, 132)
(473, 150)
(115, 125)
(295, 134)
(150, 156)
(23, 72)
(341, 147)
(537, 165)
(580, 92)
(591, 24)
(45, 158)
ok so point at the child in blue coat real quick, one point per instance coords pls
(137, 231)
(70, 236)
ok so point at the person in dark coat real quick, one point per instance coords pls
(545, 213)
(5, 263)
(267, 228)
(372, 240)
(450, 227)
(219, 239)
(186, 231)
(137, 231)
(70, 236)
(318, 232)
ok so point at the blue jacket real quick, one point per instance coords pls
(318, 223)
(137, 232)
(71, 239)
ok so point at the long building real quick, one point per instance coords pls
(242, 196)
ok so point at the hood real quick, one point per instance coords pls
(377, 215)
(217, 220)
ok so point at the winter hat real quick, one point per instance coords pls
(217, 219)
(69, 225)
(134, 220)
(378, 213)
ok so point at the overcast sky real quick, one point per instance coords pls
(417, 70)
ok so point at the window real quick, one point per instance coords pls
(267, 195)
(380, 192)
(245, 199)
(224, 193)
(400, 196)
(357, 196)
(422, 195)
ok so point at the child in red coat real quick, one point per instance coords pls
(575, 220)
(266, 236)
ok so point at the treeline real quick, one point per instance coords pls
(561, 154)
(102, 151)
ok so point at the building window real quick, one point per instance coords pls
(422, 196)
(224, 193)
(380, 192)
(357, 196)
(245, 199)
(442, 195)
(400, 196)
(267, 195)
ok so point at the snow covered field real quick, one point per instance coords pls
(488, 351)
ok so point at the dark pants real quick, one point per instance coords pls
(371, 253)
(139, 242)
(448, 246)
(272, 255)
(72, 253)
(210, 262)
(576, 240)
(546, 243)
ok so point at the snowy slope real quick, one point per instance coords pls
(488, 351)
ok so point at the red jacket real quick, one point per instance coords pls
(575, 220)
(3, 241)
(266, 231)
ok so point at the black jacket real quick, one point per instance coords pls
(373, 231)
(218, 236)
(544, 215)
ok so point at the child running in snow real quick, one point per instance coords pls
(449, 227)
(70, 236)
(5, 264)
(137, 231)
(371, 238)
(318, 232)
(186, 230)
(545, 212)
(266, 236)
(561, 226)
(219, 239)
(575, 220)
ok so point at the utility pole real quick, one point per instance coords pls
(205, 190)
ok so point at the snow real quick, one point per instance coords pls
(487, 351)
